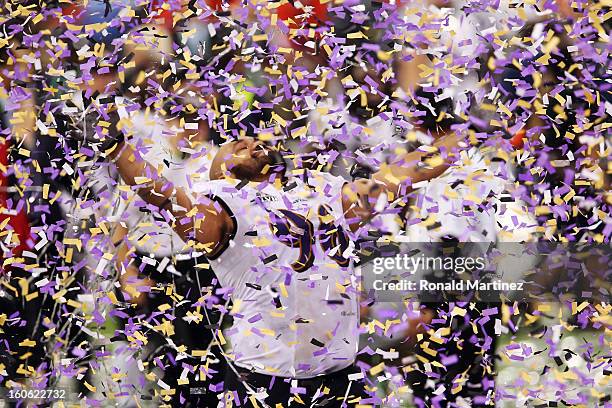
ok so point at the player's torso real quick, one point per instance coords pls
(295, 305)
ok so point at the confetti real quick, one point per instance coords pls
(323, 135)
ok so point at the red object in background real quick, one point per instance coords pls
(296, 18)
(18, 222)
(165, 18)
(318, 14)
(517, 140)
(71, 10)
(398, 3)
(217, 5)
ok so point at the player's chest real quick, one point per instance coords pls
(303, 224)
(302, 201)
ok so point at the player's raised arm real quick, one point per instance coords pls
(359, 198)
(201, 220)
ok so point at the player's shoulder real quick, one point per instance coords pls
(206, 186)
(324, 182)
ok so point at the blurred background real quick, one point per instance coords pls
(98, 296)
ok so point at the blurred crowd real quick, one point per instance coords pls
(99, 295)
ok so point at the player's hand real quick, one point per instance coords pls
(137, 289)
(417, 324)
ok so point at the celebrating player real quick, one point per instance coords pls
(284, 247)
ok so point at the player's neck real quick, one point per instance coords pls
(275, 179)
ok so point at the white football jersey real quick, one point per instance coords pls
(467, 202)
(289, 266)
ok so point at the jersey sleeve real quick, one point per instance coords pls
(222, 189)
(326, 183)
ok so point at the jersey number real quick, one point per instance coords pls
(295, 231)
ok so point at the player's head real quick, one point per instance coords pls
(246, 159)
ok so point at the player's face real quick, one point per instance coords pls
(244, 159)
